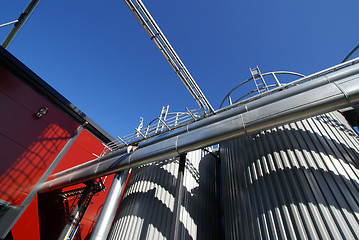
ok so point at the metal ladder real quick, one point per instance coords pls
(258, 80)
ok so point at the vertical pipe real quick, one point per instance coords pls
(108, 212)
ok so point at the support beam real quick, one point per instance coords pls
(157, 36)
(22, 19)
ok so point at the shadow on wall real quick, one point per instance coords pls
(22, 173)
(147, 209)
(299, 180)
(29, 143)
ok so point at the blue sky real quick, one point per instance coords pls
(97, 55)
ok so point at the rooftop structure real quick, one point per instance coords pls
(197, 174)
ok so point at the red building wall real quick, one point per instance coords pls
(27, 227)
(29, 144)
(81, 151)
(84, 149)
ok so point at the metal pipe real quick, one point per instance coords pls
(327, 93)
(22, 19)
(9, 23)
(139, 132)
(108, 211)
(191, 114)
(164, 123)
(351, 53)
(157, 36)
(89, 163)
(276, 79)
(122, 140)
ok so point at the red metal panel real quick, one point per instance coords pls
(29, 144)
(27, 227)
(82, 150)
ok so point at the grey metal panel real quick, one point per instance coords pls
(300, 180)
(147, 208)
(149, 188)
(199, 209)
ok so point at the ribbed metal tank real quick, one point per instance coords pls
(150, 210)
(297, 181)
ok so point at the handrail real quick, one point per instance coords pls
(250, 79)
(294, 83)
(173, 120)
(351, 53)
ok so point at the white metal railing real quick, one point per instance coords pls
(256, 91)
(154, 128)
(303, 79)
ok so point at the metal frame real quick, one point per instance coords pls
(9, 23)
(73, 223)
(20, 22)
(351, 53)
(156, 35)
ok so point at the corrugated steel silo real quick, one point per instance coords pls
(150, 209)
(300, 180)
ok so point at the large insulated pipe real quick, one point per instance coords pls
(239, 110)
(324, 94)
